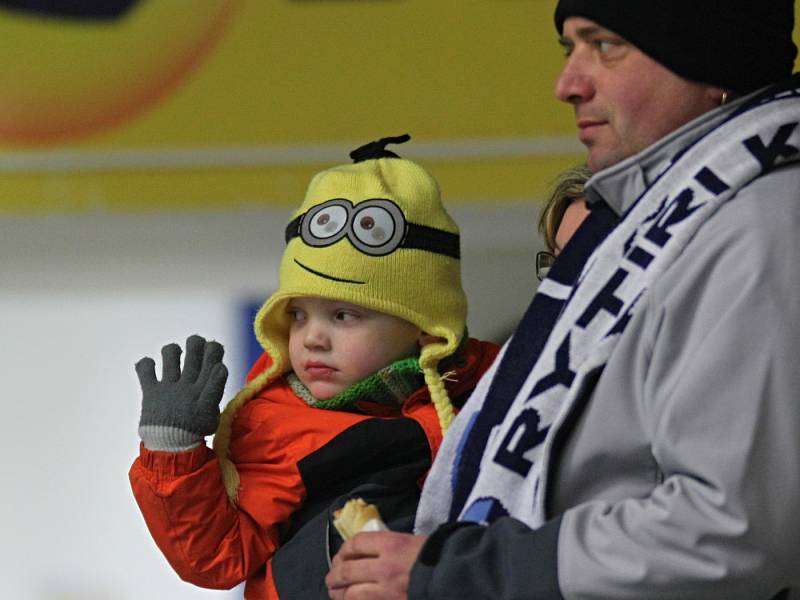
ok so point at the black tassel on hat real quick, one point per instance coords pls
(377, 149)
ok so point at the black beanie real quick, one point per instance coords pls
(738, 45)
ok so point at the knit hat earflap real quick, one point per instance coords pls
(738, 45)
(373, 233)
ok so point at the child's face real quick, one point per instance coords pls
(334, 344)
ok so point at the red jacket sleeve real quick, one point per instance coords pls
(206, 540)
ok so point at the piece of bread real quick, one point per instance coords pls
(355, 516)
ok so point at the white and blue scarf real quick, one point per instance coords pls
(494, 460)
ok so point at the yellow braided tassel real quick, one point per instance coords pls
(428, 361)
(222, 438)
(439, 397)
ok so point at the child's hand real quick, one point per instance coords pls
(182, 408)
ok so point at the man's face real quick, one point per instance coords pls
(624, 100)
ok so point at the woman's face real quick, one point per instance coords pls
(576, 212)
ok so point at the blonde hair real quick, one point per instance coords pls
(565, 189)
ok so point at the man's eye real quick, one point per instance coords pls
(295, 314)
(345, 316)
(606, 47)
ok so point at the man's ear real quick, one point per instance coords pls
(426, 338)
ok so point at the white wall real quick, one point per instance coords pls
(81, 299)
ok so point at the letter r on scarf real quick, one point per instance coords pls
(523, 435)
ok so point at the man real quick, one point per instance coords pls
(648, 448)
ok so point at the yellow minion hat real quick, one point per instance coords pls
(373, 233)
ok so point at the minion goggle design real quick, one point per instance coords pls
(376, 227)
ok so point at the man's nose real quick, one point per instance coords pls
(575, 84)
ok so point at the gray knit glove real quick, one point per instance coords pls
(182, 408)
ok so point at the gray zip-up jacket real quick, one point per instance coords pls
(680, 476)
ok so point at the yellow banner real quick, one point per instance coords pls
(186, 103)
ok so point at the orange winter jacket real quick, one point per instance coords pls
(296, 464)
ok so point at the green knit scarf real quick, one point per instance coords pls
(390, 386)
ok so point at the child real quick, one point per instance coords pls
(348, 400)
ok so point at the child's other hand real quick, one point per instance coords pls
(182, 408)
